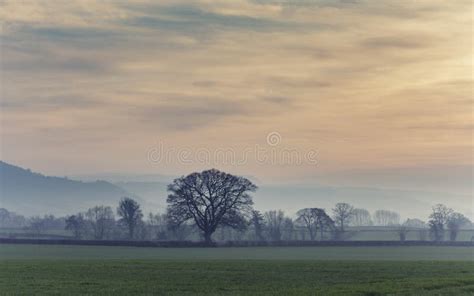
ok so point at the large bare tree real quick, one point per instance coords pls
(210, 198)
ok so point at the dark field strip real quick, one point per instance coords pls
(194, 244)
(55, 252)
(235, 277)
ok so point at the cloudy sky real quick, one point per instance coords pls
(370, 86)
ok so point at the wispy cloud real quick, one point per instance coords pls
(364, 82)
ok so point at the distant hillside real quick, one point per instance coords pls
(31, 193)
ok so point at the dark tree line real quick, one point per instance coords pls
(443, 217)
(218, 205)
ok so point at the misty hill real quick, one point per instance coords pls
(31, 193)
(153, 194)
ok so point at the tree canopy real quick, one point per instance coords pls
(210, 199)
(130, 213)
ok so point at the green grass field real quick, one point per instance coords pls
(235, 277)
(42, 269)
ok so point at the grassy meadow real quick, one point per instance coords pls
(235, 277)
(72, 270)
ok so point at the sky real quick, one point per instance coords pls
(372, 92)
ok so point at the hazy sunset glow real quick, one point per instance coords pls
(92, 86)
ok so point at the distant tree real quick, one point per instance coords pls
(131, 215)
(4, 217)
(47, 222)
(301, 232)
(258, 224)
(361, 217)
(455, 222)
(77, 225)
(102, 221)
(179, 231)
(438, 219)
(11, 220)
(238, 234)
(403, 230)
(52, 222)
(274, 221)
(415, 223)
(210, 199)
(141, 231)
(325, 223)
(422, 234)
(37, 224)
(386, 218)
(342, 214)
(157, 224)
(308, 218)
(229, 234)
(288, 227)
(314, 219)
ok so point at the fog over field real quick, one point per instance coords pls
(411, 196)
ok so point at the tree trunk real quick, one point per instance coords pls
(207, 237)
